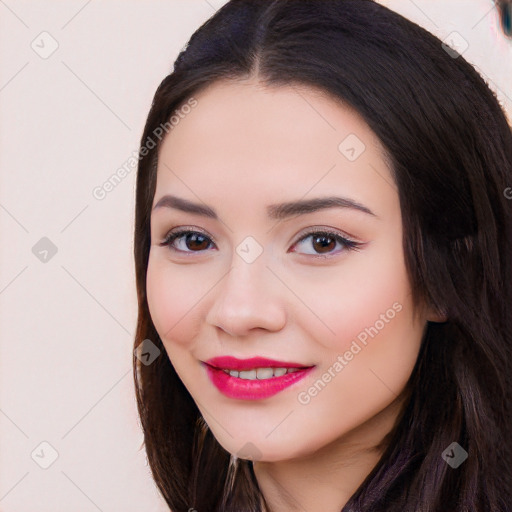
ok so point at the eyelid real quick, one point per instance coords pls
(308, 231)
(351, 242)
(330, 231)
(192, 228)
(178, 230)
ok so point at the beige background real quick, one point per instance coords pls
(68, 121)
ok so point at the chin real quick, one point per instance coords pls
(264, 450)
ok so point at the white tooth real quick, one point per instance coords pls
(233, 373)
(248, 374)
(279, 371)
(264, 373)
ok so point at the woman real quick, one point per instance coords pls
(322, 249)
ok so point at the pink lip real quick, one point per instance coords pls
(244, 389)
(232, 363)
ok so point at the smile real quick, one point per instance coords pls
(260, 373)
(255, 378)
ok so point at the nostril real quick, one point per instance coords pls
(505, 9)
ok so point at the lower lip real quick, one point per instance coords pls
(244, 389)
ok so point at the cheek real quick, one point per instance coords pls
(174, 298)
(358, 298)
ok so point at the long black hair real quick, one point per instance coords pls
(450, 150)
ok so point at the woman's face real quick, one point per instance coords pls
(258, 280)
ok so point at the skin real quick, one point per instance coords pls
(243, 147)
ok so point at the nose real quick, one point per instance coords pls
(505, 7)
(248, 297)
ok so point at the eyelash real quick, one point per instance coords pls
(349, 244)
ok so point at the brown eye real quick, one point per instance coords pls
(191, 241)
(324, 242)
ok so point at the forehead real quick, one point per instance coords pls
(255, 141)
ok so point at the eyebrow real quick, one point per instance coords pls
(274, 211)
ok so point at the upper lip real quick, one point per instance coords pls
(233, 363)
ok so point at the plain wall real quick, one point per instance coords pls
(68, 121)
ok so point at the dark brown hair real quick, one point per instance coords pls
(450, 148)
